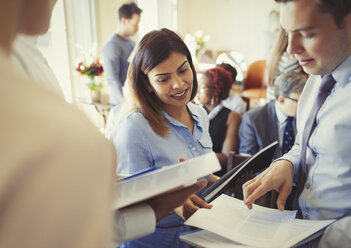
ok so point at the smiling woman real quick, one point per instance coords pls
(164, 125)
(162, 55)
(172, 82)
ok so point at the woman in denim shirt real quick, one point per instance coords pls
(163, 125)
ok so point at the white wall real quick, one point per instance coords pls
(157, 14)
(240, 25)
(107, 21)
(53, 46)
(106, 18)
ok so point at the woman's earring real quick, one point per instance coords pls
(149, 88)
(212, 100)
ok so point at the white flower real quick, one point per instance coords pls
(196, 42)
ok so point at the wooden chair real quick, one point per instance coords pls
(254, 87)
(234, 159)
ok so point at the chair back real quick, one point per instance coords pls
(235, 159)
(254, 75)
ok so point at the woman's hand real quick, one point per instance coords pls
(165, 203)
(191, 205)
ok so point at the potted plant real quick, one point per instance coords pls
(90, 67)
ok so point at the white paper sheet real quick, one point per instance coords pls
(259, 227)
(208, 239)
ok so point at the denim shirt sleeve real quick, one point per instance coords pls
(201, 117)
(132, 146)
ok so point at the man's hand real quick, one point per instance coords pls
(191, 205)
(164, 204)
(279, 177)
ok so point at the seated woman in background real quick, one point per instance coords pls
(279, 62)
(214, 86)
(162, 125)
(234, 102)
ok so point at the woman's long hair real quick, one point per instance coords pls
(154, 48)
(273, 60)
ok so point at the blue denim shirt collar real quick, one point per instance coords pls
(194, 113)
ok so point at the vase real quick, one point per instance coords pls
(95, 95)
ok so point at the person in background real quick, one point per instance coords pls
(278, 62)
(163, 125)
(319, 36)
(56, 168)
(117, 49)
(214, 86)
(233, 101)
(274, 121)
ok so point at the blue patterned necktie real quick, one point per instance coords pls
(325, 88)
(289, 135)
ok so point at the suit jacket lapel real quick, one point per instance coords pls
(272, 130)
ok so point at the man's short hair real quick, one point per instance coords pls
(127, 10)
(338, 8)
(289, 82)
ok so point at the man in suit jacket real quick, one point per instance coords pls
(263, 125)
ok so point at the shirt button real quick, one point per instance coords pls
(194, 149)
(315, 124)
(308, 185)
(314, 154)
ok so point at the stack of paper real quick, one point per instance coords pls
(231, 224)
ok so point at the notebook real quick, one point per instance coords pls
(257, 163)
(158, 180)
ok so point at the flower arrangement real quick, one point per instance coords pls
(196, 43)
(90, 66)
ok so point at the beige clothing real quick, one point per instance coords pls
(56, 174)
(27, 58)
(56, 170)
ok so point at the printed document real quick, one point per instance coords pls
(229, 218)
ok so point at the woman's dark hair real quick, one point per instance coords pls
(154, 48)
(221, 80)
(338, 8)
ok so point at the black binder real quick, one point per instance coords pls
(257, 163)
